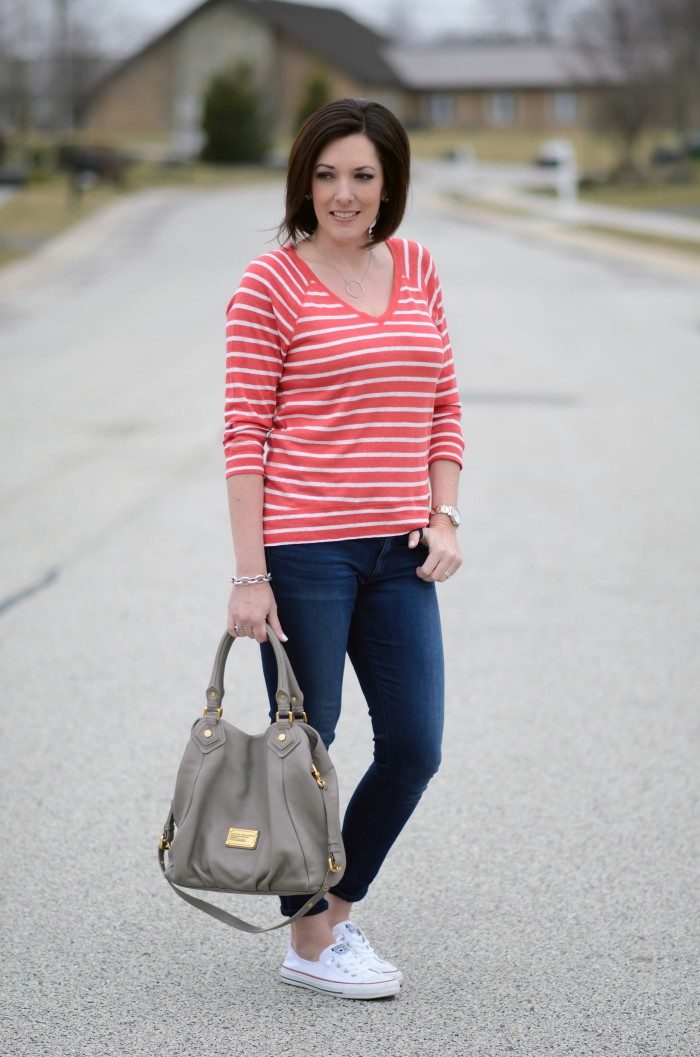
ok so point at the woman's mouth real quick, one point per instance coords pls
(345, 215)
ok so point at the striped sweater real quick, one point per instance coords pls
(341, 412)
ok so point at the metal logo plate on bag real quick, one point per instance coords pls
(242, 838)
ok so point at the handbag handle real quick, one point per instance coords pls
(289, 697)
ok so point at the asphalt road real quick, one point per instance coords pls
(544, 900)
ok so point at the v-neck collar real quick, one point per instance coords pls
(395, 287)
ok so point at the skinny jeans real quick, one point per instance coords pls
(362, 598)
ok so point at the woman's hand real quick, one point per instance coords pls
(249, 607)
(444, 556)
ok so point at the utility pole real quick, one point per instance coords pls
(63, 75)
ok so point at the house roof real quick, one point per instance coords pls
(333, 35)
(450, 67)
(345, 43)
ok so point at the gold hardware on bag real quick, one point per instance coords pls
(331, 865)
(207, 733)
(319, 781)
(219, 712)
(290, 717)
(242, 838)
(281, 737)
(164, 843)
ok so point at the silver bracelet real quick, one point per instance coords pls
(243, 581)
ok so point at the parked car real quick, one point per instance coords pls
(16, 177)
(666, 155)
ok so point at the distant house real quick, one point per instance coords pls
(158, 92)
(488, 85)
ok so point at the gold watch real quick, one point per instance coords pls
(452, 513)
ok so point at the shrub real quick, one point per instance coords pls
(233, 120)
(316, 94)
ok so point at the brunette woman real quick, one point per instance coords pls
(343, 452)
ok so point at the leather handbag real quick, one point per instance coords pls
(255, 814)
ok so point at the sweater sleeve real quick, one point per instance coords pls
(446, 440)
(254, 361)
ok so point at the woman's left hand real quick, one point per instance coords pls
(444, 556)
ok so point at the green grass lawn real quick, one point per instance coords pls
(654, 195)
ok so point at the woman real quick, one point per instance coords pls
(343, 452)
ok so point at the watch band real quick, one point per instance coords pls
(451, 511)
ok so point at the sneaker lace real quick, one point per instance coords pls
(358, 938)
(348, 962)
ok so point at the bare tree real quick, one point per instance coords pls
(543, 18)
(677, 28)
(398, 22)
(51, 53)
(20, 45)
(538, 20)
(619, 42)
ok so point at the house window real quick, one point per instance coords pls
(501, 108)
(441, 109)
(564, 108)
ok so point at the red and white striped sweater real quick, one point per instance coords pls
(341, 412)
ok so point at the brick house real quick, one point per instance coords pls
(492, 85)
(157, 93)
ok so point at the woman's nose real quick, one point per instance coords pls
(344, 193)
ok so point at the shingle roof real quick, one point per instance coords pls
(347, 44)
(520, 65)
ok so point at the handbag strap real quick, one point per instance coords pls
(223, 915)
(289, 697)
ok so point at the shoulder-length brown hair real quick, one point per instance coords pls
(347, 117)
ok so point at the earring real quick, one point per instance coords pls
(307, 198)
(370, 229)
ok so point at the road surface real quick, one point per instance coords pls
(544, 900)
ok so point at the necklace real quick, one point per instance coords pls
(353, 287)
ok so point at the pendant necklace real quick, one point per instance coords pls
(353, 287)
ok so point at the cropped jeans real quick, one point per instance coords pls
(361, 597)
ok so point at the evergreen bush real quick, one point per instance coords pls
(317, 93)
(234, 123)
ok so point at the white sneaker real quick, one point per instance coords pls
(360, 946)
(337, 972)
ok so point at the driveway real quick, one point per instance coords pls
(543, 900)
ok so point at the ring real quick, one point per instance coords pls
(238, 630)
(446, 574)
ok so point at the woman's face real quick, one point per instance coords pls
(346, 189)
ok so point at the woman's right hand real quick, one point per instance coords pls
(249, 607)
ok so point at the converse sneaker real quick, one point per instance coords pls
(360, 946)
(337, 972)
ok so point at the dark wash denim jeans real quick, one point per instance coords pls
(361, 597)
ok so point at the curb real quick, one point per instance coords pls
(552, 231)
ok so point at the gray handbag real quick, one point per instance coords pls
(254, 813)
